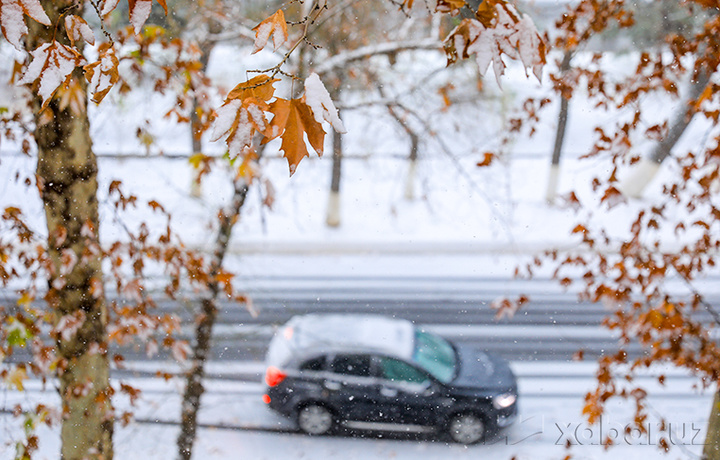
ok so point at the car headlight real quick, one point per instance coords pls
(504, 400)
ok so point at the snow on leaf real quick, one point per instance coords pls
(51, 66)
(108, 6)
(140, 12)
(77, 29)
(239, 120)
(12, 20)
(497, 30)
(102, 74)
(293, 119)
(243, 113)
(319, 101)
(274, 26)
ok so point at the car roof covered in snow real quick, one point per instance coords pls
(319, 333)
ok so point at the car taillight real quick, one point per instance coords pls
(273, 376)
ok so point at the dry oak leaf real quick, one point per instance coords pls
(274, 26)
(140, 12)
(293, 119)
(102, 74)
(12, 20)
(51, 66)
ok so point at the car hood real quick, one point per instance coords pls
(480, 370)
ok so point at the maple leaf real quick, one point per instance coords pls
(102, 74)
(243, 114)
(77, 29)
(260, 87)
(293, 120)
(274, 26)
(51, 66)
(239, 120)
(140, 12)
(12, 21)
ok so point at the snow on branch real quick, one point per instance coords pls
(343, 59)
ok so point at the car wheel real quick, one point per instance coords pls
(315, 419)
(466, 428)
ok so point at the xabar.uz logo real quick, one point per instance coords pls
(608, 432)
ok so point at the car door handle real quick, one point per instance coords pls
(389, 392)
(332, 385)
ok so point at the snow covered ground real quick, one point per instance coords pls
(236, 423)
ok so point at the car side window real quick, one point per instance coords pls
(396, 370)
(358, 365)
(315, 364)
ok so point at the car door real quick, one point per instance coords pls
(352, 387)
(406, 391)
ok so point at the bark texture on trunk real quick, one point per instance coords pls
(711, 451)
(67, 179)
(203, 334)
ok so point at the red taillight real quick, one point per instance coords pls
(273, 376)
(266, 399)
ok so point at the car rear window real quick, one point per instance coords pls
(358, 365)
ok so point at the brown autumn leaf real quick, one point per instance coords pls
(276, 27)
(140, 12)
(260, 87)
(52, 65)
(293, 120)
(78, 29)
(487, 160)
(102, 74)
(72, 95)
(449, 6)
(12, 20)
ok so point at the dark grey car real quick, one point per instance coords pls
(384, 373)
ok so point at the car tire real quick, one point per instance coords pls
(315, 419)
(466, 428)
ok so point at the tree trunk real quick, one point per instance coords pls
(196, 127)
(203, 334)
(711, 451)
(333, 218)
(412, 165)
(554, 177)
(641, 175)
(67, 180)
(412, 157)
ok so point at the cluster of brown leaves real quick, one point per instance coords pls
(632, 275)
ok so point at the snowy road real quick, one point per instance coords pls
(236, 424)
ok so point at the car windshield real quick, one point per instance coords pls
(435, 355)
